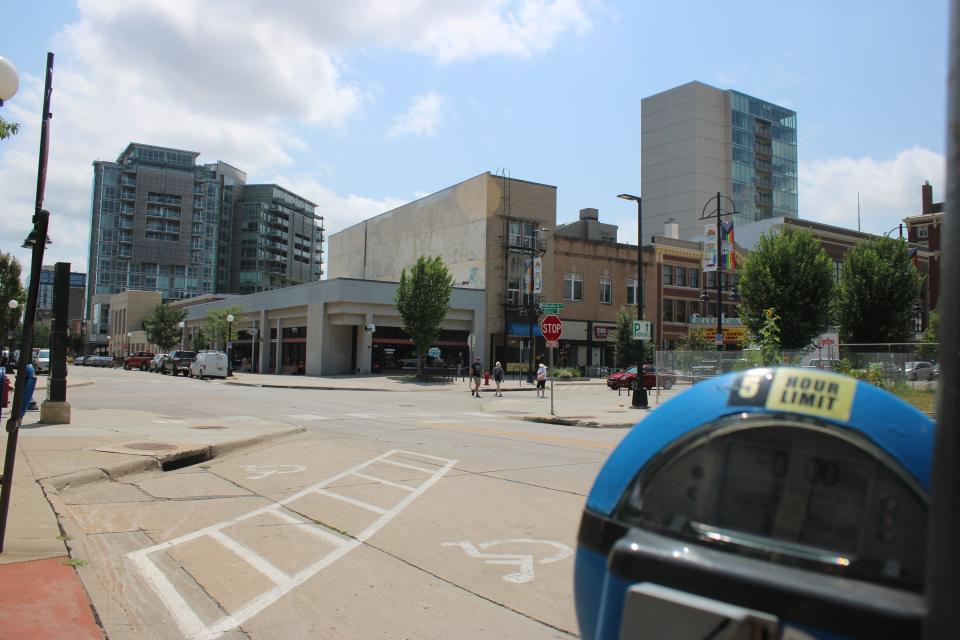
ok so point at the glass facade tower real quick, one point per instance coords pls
(763, 171)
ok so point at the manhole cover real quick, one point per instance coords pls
(208, 426)
(150, 446)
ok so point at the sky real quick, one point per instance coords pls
(365, 105)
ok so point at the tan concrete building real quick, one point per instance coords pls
(128, 310)
(486, 229)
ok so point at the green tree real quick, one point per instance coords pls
(10, 289)
(199, 340)
(769, 338)
(790, 273)
(625, 352)
(423, 301)
(931, 337)
(8, 129)
(216, 327)
(162, 326)
(878, 288)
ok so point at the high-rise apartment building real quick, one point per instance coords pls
(162, 222)
(697, 140)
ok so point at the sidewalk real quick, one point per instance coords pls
(44, 597)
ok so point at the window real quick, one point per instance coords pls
(573, 286)
(668, 310)
(693, 277)
(680, 276)
(680, 311)
(606, 290)
(631, 291)
(667, 275)
(923, 232)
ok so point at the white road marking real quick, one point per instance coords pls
(366, 416)
(408, 466)
(306, 416)
(170, 421)
(353, 501)
(188, 620)
(523, 561)
(261, 472)
(382, 481)
(239, 418)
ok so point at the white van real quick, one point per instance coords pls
(209, 364)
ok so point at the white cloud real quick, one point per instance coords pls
(422, 118)
(889, 189)
(235, 82)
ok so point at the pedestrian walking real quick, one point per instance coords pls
(459, 365)
(476, 372)
(498, 378)
(541, 381)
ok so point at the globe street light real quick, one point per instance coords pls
(181, 324)
(9, 80)
(8, 329)
(129, 335)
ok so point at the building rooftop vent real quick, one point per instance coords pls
(671, 229)
(589, 214)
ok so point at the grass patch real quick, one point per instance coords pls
(923, 399)
(64, 538)
(75, 562)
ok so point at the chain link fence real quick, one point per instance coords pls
(884, 365)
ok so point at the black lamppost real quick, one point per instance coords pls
(719, 212)
(37, 242)
(8, 327)
(531, 306)
(639, 390)
(230, 319)
(129, 335)
(181, 324)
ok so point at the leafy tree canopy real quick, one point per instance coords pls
(423, 301)
(879, 287)
(790, 273)
(216, 327)
(10, 289)
(8, 129)
(162, 326)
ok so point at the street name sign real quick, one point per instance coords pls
(551, 307)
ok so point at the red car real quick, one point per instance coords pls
(627, 378)
(139, 360)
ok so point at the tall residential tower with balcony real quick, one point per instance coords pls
(697, 140)
(162, 222)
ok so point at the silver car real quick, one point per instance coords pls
(41, 362)
(919, 370)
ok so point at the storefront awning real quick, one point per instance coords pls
(522, 330)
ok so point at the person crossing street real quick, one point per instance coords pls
(476, 373)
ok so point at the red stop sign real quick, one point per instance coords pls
(551, 327)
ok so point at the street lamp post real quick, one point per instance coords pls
(230, 319)
(719, 212)
(639, 390)
(181, 324)
(9, 82)
(129, 335)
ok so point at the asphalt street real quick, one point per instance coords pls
(397, 514)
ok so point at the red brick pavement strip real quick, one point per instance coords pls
(44, 600)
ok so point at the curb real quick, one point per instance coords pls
(570, 422)
(166, 462)
(305, 387)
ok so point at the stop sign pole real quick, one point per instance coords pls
(552, 328)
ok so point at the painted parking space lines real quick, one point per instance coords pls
(148, 561)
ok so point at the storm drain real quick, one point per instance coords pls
(196, 457)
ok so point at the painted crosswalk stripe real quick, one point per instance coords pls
(187, 618)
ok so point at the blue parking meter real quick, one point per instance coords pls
(30, 383)
(770, 503)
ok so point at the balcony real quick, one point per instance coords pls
(523, 243)
(516, 298)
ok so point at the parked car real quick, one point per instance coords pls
(99, 361)
(919, 370)
(936, 371)
(41, 361)
(156, 363)
(824, 363)
(179, 362)
(627, 378)
(79, 360)
(209, 364)
(139, 360)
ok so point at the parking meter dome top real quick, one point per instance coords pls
(896, 427)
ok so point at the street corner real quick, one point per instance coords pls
(45, 599)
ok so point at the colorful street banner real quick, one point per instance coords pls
(709, 247)
(537, 274)
(728, 257)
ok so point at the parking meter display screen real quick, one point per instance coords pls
(793, 494)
